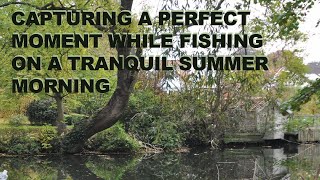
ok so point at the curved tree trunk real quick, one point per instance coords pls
(74, 141)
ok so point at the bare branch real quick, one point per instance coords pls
(219, 5)
(65, 95)
(60, 3)
(49, 95)
(87, 2)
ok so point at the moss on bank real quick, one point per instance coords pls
(114, 139)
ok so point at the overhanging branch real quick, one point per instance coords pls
(27, 4)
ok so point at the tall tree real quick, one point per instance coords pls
(74, 141)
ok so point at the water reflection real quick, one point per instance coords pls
(291, 162)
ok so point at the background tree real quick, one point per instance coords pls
(46, 54)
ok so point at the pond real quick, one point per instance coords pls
(288, 162)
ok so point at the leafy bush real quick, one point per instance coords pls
(297, 124)
(158, 131)
(73, 118)
(114, 139)
(153, 122)
(92, 103)
(26, 139)
(17, 120)
(169, 121)
(42, 112)
(167, 136)
(46, 137)
(23, 144)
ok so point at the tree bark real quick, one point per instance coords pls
(74, 141)
(61, 127)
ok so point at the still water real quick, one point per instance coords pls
(289, 162)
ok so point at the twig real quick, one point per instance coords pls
(218, 173)
(87, 2)
(312, 145)
(265, 174)
(61, 3)
(254, 171)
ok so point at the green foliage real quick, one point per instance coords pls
(26, 139)
(73, 118)
(91, 103)
(296, 124)
(156, 130)
(13, 101)
(302, 97)
(114, 139)
(23, 144)
(42, 112)
(17, 120)
(151, 122)
(295, 70)
(168, 121)
(112, 168)
(167, 135)
(46, 137)
(312, 107)
(286, 73)
(282, 19)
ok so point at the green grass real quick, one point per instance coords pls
(26, 139)
(28, 126)
(3, 121)
(5, 126)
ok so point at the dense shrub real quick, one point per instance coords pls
(155, 130)
(17, 120)
(299, 123)
(46, 137)
(151, 122)
(26, 139)
(23, 144)
(92, 103)
(169, 120)
(114, 139)
(73, 118)
(42, 112)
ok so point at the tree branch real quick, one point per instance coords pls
(87, 2)
(219, 5)
(49, 6)
(27, 4)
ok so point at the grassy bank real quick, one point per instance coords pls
(27, 139)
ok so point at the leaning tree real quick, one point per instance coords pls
(284, 17)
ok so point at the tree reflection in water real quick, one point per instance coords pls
(247, 163)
